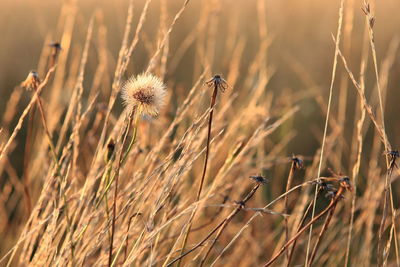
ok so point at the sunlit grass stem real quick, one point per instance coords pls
(189, 224)
(136, 114)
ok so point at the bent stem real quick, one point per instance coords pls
(106, 181)
(321, 233)
(288, 185)
(302, 230)
(27, 152)
(227, 220)
(222, 225)
(109, 181)
(298, 229)
(388, 194)
(328, 111)
(58, 172)
(213, 99)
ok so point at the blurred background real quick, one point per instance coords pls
(300, 46)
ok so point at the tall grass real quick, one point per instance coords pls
(88, 180)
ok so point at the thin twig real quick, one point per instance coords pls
(25, 113)
(189, 224)
(293, 168)
(338, 35)
(120, 162)
(240, 206)
(221, 225)
(327, 209)
(303, 219)
(323, 230)
(388, 186)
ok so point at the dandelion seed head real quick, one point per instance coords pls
(145, 91)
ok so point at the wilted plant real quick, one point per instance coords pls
(259, 180)
(55, 51)
(217, 83)
(296, 163)
(32, 81)
(335, 195)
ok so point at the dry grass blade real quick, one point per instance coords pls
(338, 35)
(25, 113)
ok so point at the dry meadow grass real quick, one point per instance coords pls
(261, 133)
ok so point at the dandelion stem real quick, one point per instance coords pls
(133, 140)
(294, 238)
(288, 185)
(27, 152)
(323, 230)
(106, 181)
(227, 220)
(213, 99)
(137, 114)
(298, 228)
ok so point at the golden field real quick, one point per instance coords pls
(199, 133)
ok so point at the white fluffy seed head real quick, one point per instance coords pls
(145, 91)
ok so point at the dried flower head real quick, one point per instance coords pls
(345, 183)
(323, 186)
(146, 92)
(32, 81)
(218, 82)
(297, 161)
(331, 193)
(393, 155)
(56, 46)
(259, 179)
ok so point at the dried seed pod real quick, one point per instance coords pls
(32, 81)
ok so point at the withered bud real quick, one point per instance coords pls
(259, 179)
(298, 162)
(346, 184)
(218, 82)
(110, 150)
(32, 81)
(56, 46)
